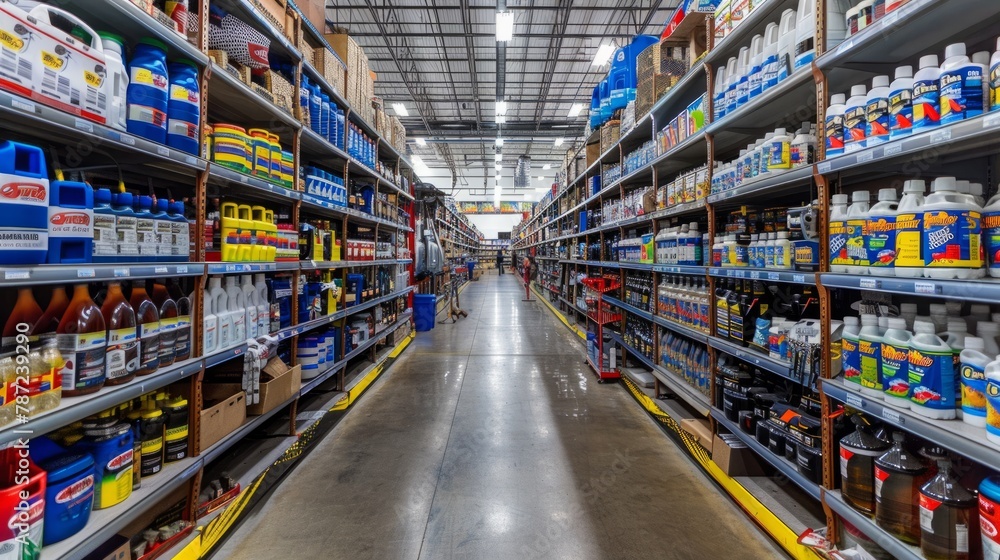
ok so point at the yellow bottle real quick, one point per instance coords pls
(260, 233)
(230, 232)
(272, 235)
(248, 251)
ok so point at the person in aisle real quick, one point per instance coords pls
(500, 260)
(529, 268)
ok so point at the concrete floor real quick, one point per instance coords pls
(490, 439)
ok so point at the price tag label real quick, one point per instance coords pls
(799, 278)
(182, 269)
(890, 19)
(773, 276)
(824, 168)
(924, 288)
(991, 120)
(941, 135)
(233, 268)
(866, 156)
(126, 139)
(16, 275)
(86, 273)
(892, 149)
(891, 415)
(84, 125)
(868, 283)
(161, 270)
(163, 151)
(855, 400)
(26, 106)
(754, 275)
(122, 273)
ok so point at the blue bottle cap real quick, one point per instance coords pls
(162, 205)
(123, 199)
(102, 196)
(145, 202)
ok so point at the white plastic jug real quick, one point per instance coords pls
(250, 298)
(927, 94)
(769, 64)
(732, 80)
(962, 95)
(932, 374)
(114, 52)
(849, 347)
(236, 305)
(870, 352)
(857, 219)
(743, 71)
(895, 363)
(877, 112)
(993, 400)
(951, 234)
(880, 236)
(908, 311)
(220, 305)
(901, 103)
(756, 66)
(972, 374)
(210, 326)
(786, 44)
(834, 125)
(263, 306)
(838, 233)
(909, 230)
(855, 121)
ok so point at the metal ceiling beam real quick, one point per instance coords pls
(526, 8)
(462, 35)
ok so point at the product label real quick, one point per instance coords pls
(878, 121)
(184, 95)
(900, 112)
(145, 230)
(164, 233)
(182, 128)
(993, 407)
(855, 128)
(128, 238)
(123, 353)
(845, 458)
(995, 87)
(926, 100)
(71, 223)
(168, 338)
(895, 370)
(770, 71)
(147, 77)
(149, 344)
(722, 322)
(857, 254)
(961, 94)
(880, 477)
(802, 153)
(23, 240)
(834, 131)
(881, 241)
(183, 335)
(973, 379)
(951, 239)
(989, 524)
(76, 493)
(84, 357)
(931, 381)
(909, 234)
(115, 480)
(780, 156)
(838, 243)
(991, 238)
(928, 506)
(105, 236)
(147, 115)
(871, 364)
(175, 443)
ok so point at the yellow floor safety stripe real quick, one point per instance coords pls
(216, 529)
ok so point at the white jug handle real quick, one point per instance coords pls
(41, 13)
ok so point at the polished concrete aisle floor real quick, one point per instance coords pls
(490, 439)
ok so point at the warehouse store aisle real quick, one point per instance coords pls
(490, 439)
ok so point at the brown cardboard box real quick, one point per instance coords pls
(700, 430)
(224, 410)
(282, 382)
(734, 457)
(274, 12)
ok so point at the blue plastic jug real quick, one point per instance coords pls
(315, 109)
(595, 107)
(324, 118)
(184, 107)
(182, 233)
(145, 229)
(105, 246)
(163, 227)
(147, 91)
(71, 223)
(606, 111)
(127, 222)
(24, 202)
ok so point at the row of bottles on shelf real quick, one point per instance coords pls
(760, 316)
(680, 245)
(256, 152)
(235, 312)
(937, 94)
(689, 186)
(641, 336)
(766, 250)
(326, 117)
(96, 344)
(930, 364)
(243, 233)
(779, 238)
(776, 152)
(95, 464)
(952, 233)
(913, 493)
(686, 359)
(685, 301)
(639, 290)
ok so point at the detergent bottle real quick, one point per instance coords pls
(148, 329)
(252, 306)
(263, 306)
(231, 242)
(71, 223)
(181, 251)
(895, 363)
(880, 240)
(82, 340)
(147, 91)
(163, 230)
(849, 345)
(732, 80)
(769, 57)
(127, 226)
(877, 112)
(260, 231)
(834, 128)
(184, 107)
(909, 231)
(901, 103)
(805, 33)
(870, 353)
(951, 235)
(743, 73)
(972, 374)
(105, 245)
(48, 323)
(786, 44)
(220, 305)
(927, 94)
(122, 360)
(908, 311)
(114, 53)
(932, 374)
(168, 323)
(210, 325)
(855, 121)
(961, 89)
(719, 96)
(838, 233)
(237, 309)
(756, 66)
(248, 250)
(145, 228)
(857, 219)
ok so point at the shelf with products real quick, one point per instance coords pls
(296, 330)
(788, 277)
(774, 183)
(631, 309)
(639, 356)
(890, 544)
(233, 101)
(678, 328)
(986, 290)
(94, 272)
(754, 358)
(253, 16)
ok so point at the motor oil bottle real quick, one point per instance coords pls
(932, 374)
(895, 363)
(949, 517)
(838, 233)
(880, 239)
(993, 401)
(163, 230)
(991, 235)
(834, 129)
(849, 346)
(769, 57)
(909, 231)
(954, 337)
(105, 245)
(123, 342)
(927, 94)
(722, 313)
(70, 223)
(127, 223)
(237, 309)
(952, 229)
(961, 86)
(263, 306)
(110, 442)
(26, 312)
(972, 374)
(175, 440)
(870, 352)
(899, 475)
(857, 219)
(735, 322)
(732, 79)
(805, 33)
(82, 340)
(168, 323)
(183, 343)
(855, 121)
(151, 429)
(230, 236)
(858, 452)
(901, 103)
(48, 323)
(220, 306)
(148, 327)
(249, 250)
(145, 229)
(877, 112)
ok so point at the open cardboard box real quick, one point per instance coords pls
(700, 430)
(223, 412)
(282, 382)
(734, 457)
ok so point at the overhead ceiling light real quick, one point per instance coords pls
(421, 142)
(496, 200)
(540, 178)
(498, 167)
(498, 157)
(575, 110)
(547, 166)
(603, 55)
(500, 119)
(558, 142)
(499, 142)
(400, 110)
(501, 107)
(505, 26)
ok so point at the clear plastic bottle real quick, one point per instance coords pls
(148, 328)
(122, 360)
(82, 340)
(858, 452)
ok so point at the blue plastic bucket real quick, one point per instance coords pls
(69, 496)
(424, 311)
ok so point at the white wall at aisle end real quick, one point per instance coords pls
(491, 224)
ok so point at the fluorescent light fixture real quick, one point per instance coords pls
(499, 142)
(603, 55)
(558, 142)
(500, 119)
(421, 142)
(501, 107)
(417, 160)
(400, 110)
(498, 167)
(540, 178)
(497, 179)
(575, 110)
(496, 201)
(547, 166)
(497, 157)
(505, 26)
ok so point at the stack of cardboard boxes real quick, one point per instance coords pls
(360, 79)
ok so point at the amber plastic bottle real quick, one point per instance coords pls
(168, 324)
(26, 311)
(148, 327)
(49, 321)
(82, 340)
(123, 338)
